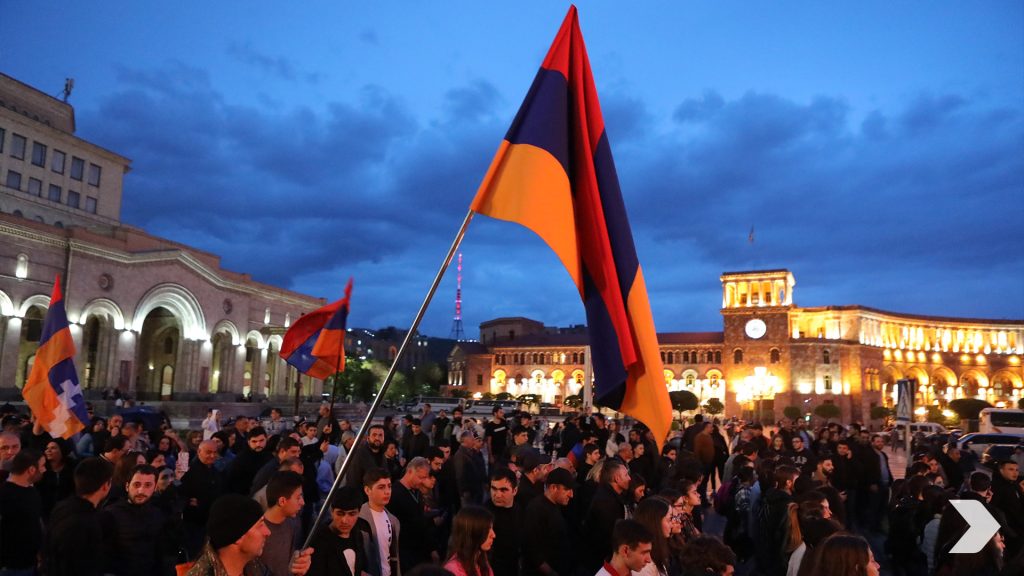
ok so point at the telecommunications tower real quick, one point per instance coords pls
(457, 333)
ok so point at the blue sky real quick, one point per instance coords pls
(876, 148)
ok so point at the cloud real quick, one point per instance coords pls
(274, 65)
(888, 208)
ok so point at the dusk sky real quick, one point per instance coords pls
(876, 148)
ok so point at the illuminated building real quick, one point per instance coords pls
(772, 354)
(152, 317)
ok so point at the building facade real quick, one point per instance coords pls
(151, 317)
(772, 354)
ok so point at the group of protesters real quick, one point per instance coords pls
(508, 495)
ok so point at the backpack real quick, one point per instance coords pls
(725, 496)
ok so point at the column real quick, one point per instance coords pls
(10, 336)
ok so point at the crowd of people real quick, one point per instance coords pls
(509, 495)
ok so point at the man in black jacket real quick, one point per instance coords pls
(251, 459)
(200, 486)
(331, 544)
(74, 545)
(416, 442)
(369, 454)
(21, 510)
(1007, 496)
(470, 473)
(605, 509)
(133, 529)
(773, 523)
(546, 548)
(508, 523)
(415, 546)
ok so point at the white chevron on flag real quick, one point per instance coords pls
(62, 412)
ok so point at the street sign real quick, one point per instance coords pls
(905, 400)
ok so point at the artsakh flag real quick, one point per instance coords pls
(52, 390)
(302, 348)
(554, 174)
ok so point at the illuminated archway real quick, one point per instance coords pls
(180, 302)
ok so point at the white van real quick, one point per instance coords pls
(1001, 420)
(927, 428)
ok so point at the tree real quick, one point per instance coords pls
(529, 399)
(573, 401)
(792, 412)
(714, 406)
(880, 412)
(968, 408)
(459, 393)
(1020, 404)
(682, 401)
(504, 396)
(357, 381)
(487, 396)
(828, 411)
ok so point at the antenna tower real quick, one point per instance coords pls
(457, 333)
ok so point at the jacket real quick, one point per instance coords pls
(367, 524)
(133, 536)
(74, 544)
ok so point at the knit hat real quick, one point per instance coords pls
(231, 516)
(561, 477)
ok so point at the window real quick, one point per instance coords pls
(90, 204)
(718, 356)
(38, 154)
(18, 146)
(2, 134)
(73, 199)
(57, 161)
(826, 357)
(775, 356)
(94, 175)
(737, 356)
(13, 180)
(77, 167)
(55, 193)
(35, 186)
(479, 379)
(686, 356)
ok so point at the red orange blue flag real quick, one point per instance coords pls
(52, 390)
(315, 344)
(555, 167)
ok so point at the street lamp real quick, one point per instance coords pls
(759, 387)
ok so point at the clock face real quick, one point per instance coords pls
(756, 328)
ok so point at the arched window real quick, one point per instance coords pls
(775, 356)
(583, 357)
(575, 358)
(718, 356)
(662, 356)
(686, 356)
(827, 380)
(737, 356)
(826, 357)
(690, 380)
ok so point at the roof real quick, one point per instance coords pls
(691, 337)
(857, 307)
(582, 339)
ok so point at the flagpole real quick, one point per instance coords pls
(364, 428)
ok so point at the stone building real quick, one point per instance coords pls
(772, 354)
(152, 317)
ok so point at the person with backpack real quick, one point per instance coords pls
(737, 507)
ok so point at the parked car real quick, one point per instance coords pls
(978, 442)
(1000, 452)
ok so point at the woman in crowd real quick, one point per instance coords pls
(844, 554)
(59, 479)
(87, 447)
(691, 500)
(472, 536)
(656, 515)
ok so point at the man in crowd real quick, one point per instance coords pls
(284, 494)
(134, 529)
(406, 504)
(238, 534)
(532, 469)
(416, 442)
(631, 549)
(21, 510)
(276, 425)
(248, 463)
(369, 454)
(427, 418)
(547, 545)
(508, 523)
(287, 448)
(74, 543)
(200, 486)
(10, 445)
(383, 526)
(470, 473)
(339, 549)
(773, 522)
(496, 436)
(607, 507)
(1007, 497)
(113, 449)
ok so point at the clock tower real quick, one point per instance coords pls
(755, 316)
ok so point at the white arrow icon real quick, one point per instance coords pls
(981, 526)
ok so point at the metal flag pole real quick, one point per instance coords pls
(364, 428)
